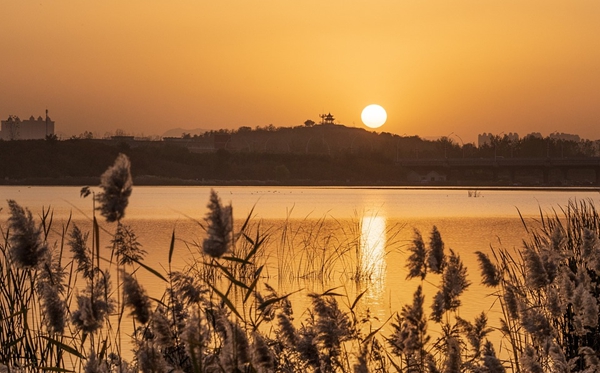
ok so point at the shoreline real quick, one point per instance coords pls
(152, 181)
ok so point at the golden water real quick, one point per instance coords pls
(372, 228)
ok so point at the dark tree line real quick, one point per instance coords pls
(81, 161)
(317, 154)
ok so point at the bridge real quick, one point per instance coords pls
(507, 166)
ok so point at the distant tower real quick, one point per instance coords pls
(46, 122)
(327, 118)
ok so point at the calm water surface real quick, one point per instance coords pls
(380, 220)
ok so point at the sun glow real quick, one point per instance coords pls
(373, 116)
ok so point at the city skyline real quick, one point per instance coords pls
(437, 68)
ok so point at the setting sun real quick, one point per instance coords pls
(373, 116)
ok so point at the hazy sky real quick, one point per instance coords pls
(436, 66)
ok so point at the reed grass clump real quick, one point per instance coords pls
(61, 311)
(549, 292)
(462, 346)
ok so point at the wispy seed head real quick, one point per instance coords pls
(436, 258)
(27, 249)
(489, 273)
(78, 244)
(94, 306)
(126, 245)
(116, 185)
(219, 221)
(136, 298)
(187, 288)
(536, 276)
(417, 260)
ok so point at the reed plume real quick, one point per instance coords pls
(161, 328)
(136, 298)
(331, 327)
(116, 185)
(436, 259)
(195, 336)
(454, 283)
(453, 357)
(489, 273)
(536, 275)
(50, 287)
(417, 260)
(410, 327)
(127, 247)
(475, 332)
(585, 310)
(511, 301)
(535, 322)
(94, 305)
(286, 332)
(27, 248)
(589, 247)
(81, 255)
(187, 288)
(491, 362)
(219, 221)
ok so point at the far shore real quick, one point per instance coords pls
(158, 181)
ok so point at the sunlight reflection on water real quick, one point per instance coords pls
(372, 253)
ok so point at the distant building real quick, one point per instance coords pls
(564, 136)
(31, 129)
(486, 138)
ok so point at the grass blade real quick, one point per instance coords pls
(253, 284)
(226, 301)
(64, 347)
(172, 247)
(149, 269)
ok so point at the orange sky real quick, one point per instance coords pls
(437, 66)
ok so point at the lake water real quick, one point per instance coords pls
(368, 228)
